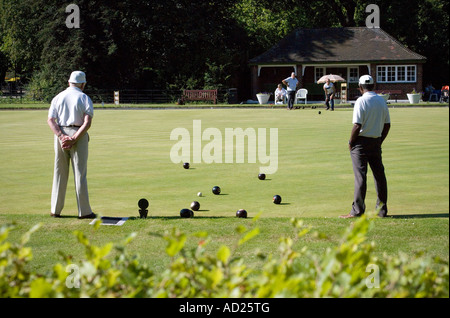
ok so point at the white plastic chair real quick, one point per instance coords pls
(302, 93)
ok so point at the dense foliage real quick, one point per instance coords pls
(347, 270)
(183, 43)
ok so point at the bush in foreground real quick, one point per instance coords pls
(348, 270)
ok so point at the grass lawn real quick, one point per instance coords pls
(129, 159)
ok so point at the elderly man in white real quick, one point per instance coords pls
(280, 94)
(70, 117)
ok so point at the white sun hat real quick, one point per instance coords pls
(366, 79)
(77, 77)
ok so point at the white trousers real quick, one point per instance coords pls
(78, 156)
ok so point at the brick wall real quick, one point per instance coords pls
(404, 87)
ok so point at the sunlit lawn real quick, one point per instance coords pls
(130, 159)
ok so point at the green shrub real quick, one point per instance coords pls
(348, 270)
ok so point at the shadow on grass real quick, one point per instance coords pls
(420, 216)
(67, 217)
(178, 217)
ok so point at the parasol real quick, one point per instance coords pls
(333, 78)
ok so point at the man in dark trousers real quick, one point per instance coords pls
(292, 84)
(371, 124)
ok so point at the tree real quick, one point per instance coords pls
(421, 25)
(180, 43)
(188, 34)
(17, 29)
(423, 29)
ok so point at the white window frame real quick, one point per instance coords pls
(353, 79)
(390, 73)
(317, 68)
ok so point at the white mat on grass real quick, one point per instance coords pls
(107, 220)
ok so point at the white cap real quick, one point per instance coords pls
(77, 77)
(366, 79)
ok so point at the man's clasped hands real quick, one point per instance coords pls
(67, 142)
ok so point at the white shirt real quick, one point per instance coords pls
(371, 112)
(281, 92)
(329, 88)
(292, 83)
(70, 106)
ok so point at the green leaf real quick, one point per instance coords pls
(223, 254)
(40, 288)
(241, 229)
(27, 235)
(4, 232)
(81, 238)
(216, 276)
(249, 236)
(201, 234)
(97, 223)
(130, 238)
(175, 243)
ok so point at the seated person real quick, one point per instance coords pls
(428, 91)
(438, 95)
(280, 95)
(444, 94)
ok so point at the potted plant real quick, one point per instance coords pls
(414, 97)
(385, 96)
(263, 98)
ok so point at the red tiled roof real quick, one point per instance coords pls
(337, 45)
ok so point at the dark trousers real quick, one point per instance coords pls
(365, 152)
(329, 101)
(291, 99)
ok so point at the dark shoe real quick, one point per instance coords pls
(53, 215)
(89, 216)
(348, 216)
